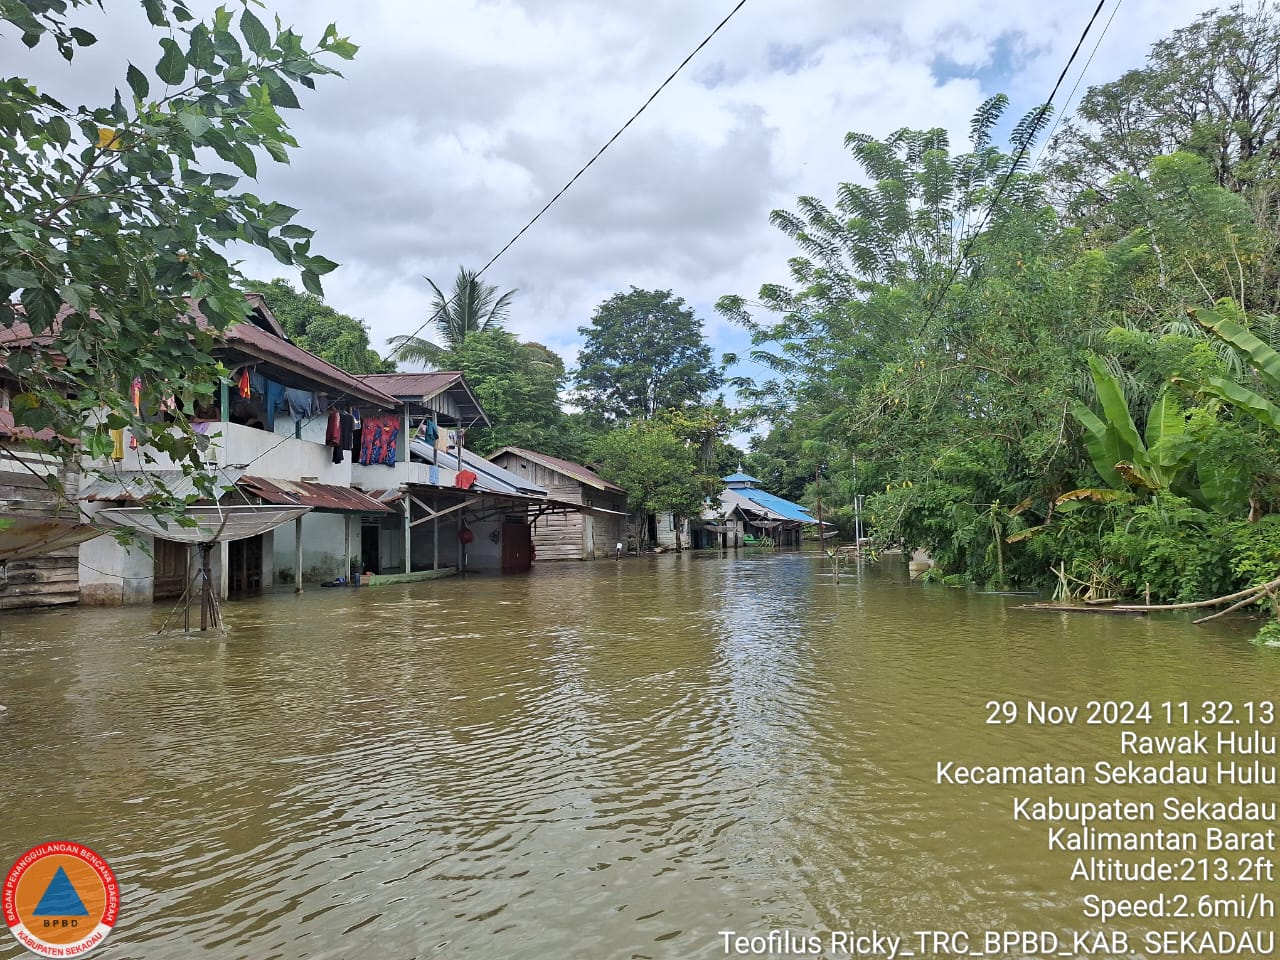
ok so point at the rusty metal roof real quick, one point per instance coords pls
(575, 471)
(132, 486)
(420, 387)
(307, 493)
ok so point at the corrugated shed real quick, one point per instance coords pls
(760, 503)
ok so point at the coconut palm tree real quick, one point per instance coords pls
(473, 307)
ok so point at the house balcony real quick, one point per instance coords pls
(257, 452)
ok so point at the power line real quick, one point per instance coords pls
(1009, 174)
(572, 180)
(1079, 79)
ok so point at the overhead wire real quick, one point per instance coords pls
(1009, 173)
(586, 166)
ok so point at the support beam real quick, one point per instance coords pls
(297, 555)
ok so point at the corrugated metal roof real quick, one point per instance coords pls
(489, 476)
(307, 493)
(263, 345)
(575, 471)
(766, 504)
(419, 387)
(135, 485)
(739, 477)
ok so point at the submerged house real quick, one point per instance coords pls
(274, 439)
(749, 515)
(40, 532)
(593, 530)
(316, 474)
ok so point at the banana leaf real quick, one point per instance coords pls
(1102, 443)
(1166, 422)
(1242, 398)
(1265, 360)
(1115, 408)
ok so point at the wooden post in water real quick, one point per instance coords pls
(206, 590)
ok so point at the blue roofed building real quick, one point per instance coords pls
(748, 515)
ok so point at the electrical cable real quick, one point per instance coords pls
(572, 180)
(1009, 174)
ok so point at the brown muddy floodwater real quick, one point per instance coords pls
(614, 760)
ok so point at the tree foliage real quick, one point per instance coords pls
(518, 385)
(1210, 88)
(659, 469)
(644, 352)
(472, 307)
(123, 210)
(315, 326)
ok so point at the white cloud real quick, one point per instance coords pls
(458, 121)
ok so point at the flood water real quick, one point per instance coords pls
(591, 761)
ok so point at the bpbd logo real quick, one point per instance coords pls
(60, 899)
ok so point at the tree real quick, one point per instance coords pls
(659, 469)
(517, 386)
(473, 307)
(1210, 88)
(111, 217)
(315, 326)
(644, 353)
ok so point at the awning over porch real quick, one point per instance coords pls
(307, 493)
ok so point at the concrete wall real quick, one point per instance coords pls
(112, 575)
(324, 539)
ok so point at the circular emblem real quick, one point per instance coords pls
(60, 899)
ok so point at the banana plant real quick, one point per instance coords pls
(1262, 358)
(1158, 459)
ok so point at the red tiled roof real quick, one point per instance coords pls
(574, 470)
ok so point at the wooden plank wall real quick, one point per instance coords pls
(558, 536)
(53, 579)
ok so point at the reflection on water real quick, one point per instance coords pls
(595, 760)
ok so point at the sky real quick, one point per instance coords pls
(459, 119)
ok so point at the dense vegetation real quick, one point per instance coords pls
(1060, 374)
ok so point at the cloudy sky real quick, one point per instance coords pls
(459, 119)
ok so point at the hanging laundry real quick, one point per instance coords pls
(243, 385)
(299, 402)
(464, 479)
(378, 440)
(430, 432)
(346, 430)
(257, 382)
(135, 394)
(274, 393)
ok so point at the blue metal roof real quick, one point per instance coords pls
(739, 477)
(785, 508)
